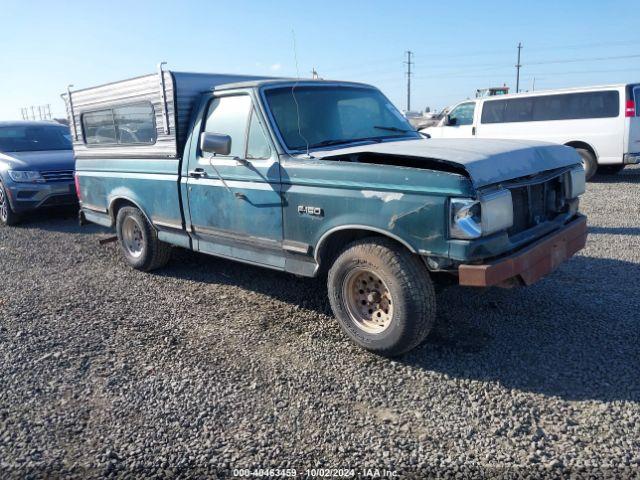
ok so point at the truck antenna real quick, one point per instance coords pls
(293, 94)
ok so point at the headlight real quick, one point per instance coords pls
(497, 211)
(473, 219)
(23, 176)
(575, 182)
(464, 219)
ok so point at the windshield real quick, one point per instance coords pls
(27, 138)
(317, 116)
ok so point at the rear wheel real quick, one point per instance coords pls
(589, 162)
(139, 241)
(7, 215)
(382, 296)
(610, 169)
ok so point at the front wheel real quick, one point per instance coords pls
(589, 162)
(7, 215)
(382, 296)
(139, 241)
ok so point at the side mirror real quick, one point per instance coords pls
(215, 143)
(450, 121)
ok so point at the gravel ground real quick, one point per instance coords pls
(209, 365)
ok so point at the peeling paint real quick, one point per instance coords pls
(384, 196)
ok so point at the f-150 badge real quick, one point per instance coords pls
(309, 210)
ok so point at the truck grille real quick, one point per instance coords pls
(58, 176)
(536, 203)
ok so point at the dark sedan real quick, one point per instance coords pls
(36, 168)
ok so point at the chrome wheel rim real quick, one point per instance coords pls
(4, 213)
(132, 238)
(368, 300)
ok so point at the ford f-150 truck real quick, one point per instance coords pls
(321, 178)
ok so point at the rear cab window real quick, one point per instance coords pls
(132, 124)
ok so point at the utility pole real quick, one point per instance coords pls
(409, 63)
(518, 65)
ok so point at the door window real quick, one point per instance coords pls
(463, 113)
(229, 116)
(257, 143)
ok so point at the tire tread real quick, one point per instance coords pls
(412, 277)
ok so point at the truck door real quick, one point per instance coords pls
(459, 122)
(235, 207)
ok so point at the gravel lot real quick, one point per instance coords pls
(209, 365)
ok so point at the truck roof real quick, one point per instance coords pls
(285, 81)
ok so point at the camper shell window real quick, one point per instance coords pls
(133, 124)
(569, 106)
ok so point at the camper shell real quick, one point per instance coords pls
(172, 95)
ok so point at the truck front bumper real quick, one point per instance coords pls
(532, 262)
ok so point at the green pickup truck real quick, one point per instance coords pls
(321, 178)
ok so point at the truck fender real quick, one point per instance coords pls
(125, 199)
(326, 235)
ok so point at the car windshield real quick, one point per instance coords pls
(318, 116)
(27, 138)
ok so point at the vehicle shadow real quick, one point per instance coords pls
(575, 335)
(615, 230)
(628, 175)
(570, 335)
(58, 219)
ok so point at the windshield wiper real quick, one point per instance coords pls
(392, 129)
(338, 141)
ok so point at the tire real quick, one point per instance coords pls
(610, 169)
(399, 311)
(7, 216)
(589, 162)
(139, 241)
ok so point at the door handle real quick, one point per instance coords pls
(198, 172)
(473, 130)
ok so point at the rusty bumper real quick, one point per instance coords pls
(530, 264)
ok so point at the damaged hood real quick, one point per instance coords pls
(487, 161)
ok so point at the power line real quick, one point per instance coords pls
(591, 59)
(389, 61)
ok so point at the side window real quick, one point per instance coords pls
(135, 123)
(257, 143)
(128, 124)
(99, 127)
(519, 110)
(229, 116)
(463, 113)
(493, 111)
(636, 96)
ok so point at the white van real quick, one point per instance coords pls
(601, 123)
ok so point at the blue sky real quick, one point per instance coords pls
(459, 45)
